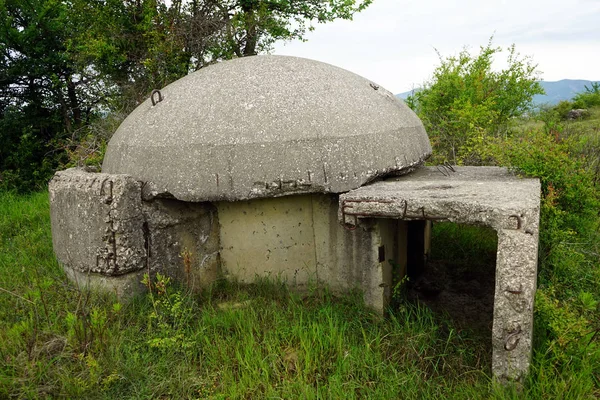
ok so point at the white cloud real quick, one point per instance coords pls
(392, 42)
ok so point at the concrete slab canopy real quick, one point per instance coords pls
(266, 126)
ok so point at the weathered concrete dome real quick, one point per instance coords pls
(266, 126)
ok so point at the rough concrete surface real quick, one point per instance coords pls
(123, 286)
(488, 196)
(183, 241)
(266, 126)
(108, 230)
(97, 222)
(107, 237)
(516, 282)
(298, 239)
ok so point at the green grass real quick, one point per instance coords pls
(253, 341)
(246, 342)
(464, 244)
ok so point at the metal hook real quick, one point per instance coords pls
(449, 166)
(441, 171)
(512, 340)
(160, 98)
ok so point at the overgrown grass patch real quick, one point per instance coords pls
(235, 341)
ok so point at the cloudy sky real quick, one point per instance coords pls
(393, 42)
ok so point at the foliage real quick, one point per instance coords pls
(40, 93)
(171, 314)
(466, 102)
(585, 100)
(561, 110)
(255, 25)
(567, 317)
(467, 125)
(257, 341)
(588, 98)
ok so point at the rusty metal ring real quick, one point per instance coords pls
(349, 227)
(512, 340)
(160, 98)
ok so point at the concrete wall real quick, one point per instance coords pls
(268, 237)
(106, 236)
(97, 229)
(298, 239)
(97, 222)
(183, 241)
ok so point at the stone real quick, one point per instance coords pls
(578, 113)
(266, 126)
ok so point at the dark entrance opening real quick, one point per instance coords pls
(455, 277)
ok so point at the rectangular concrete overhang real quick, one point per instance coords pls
(488, 196)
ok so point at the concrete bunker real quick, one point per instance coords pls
(287, 167)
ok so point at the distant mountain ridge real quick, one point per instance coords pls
(561, 90)
(556, 91)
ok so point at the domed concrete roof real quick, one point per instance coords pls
(266, 126)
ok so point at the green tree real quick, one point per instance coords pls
(467, 102)
(254, 25)
(42, 94)
(147, 44)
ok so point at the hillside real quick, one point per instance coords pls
(557, 91)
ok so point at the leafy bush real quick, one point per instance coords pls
(469, 111)
(588, 98)
(88, 145)
(569, 275)
(561, 110)
(467, 102)
(27, 155)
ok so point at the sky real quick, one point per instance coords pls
(394, 42)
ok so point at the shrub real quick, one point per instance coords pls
(588, 98)
(569, 277)
(27, 156)
(562, 109)
(466, 102)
